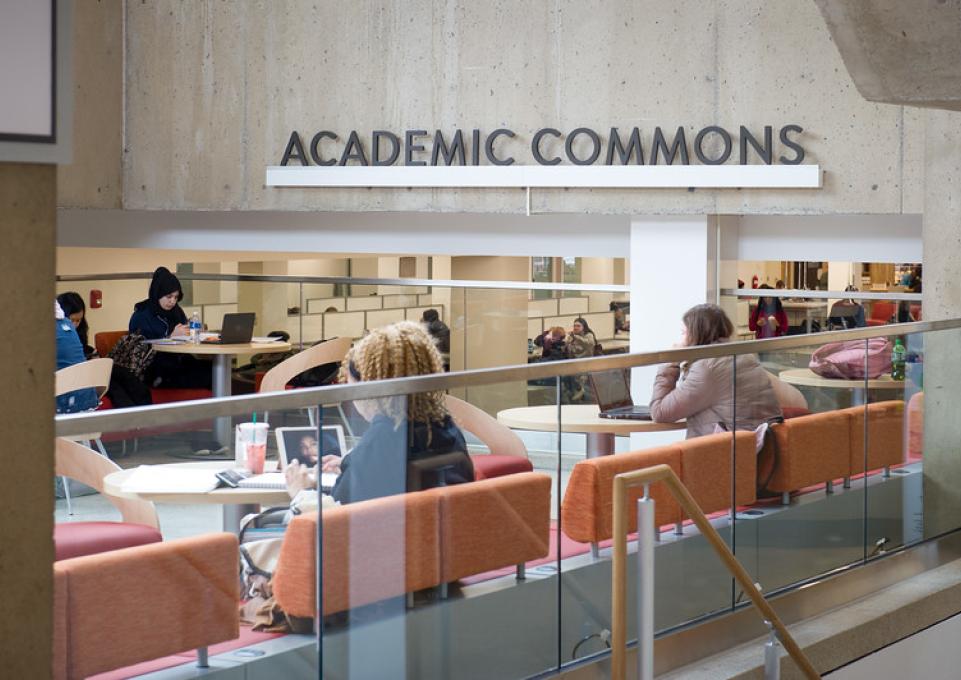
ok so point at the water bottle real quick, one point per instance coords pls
(195, 328)
(898, 355)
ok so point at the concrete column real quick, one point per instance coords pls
(28, 198)
(942, 300)
(489, 326)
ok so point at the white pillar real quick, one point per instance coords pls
(672, 269)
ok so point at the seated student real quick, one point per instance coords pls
(73, 308)
(402, 429)
(160, 316)
(846, 313)
(709, 389)
(621, 324)
(552, 343)
(70, 352)
(437, 329)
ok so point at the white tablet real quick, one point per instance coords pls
(300, 444)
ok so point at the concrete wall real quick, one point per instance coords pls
(27, 219)
(213, 91)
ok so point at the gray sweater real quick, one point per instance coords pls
(706, 396)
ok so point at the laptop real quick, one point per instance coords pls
(238, 329)
(612, 389)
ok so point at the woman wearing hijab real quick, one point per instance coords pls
(160, 316)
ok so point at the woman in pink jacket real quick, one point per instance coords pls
(708, 388)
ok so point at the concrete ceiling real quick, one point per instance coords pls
(900, 51)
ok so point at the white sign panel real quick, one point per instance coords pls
(556, 176)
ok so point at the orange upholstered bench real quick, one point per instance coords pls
(389, 547)
(703, 464)
(123, 607)
(587, 508)
(885, 430)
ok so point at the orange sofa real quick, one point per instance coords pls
(123, 607)
(703, 464)
(388, 547)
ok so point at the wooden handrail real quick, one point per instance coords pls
(664, 473)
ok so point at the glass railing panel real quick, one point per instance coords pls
(807, 519)
(889, 464)
(431, 572)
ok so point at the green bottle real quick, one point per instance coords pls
(897, 360)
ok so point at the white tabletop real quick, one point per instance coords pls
(577, 418)
(113, 486)
(209, 348)
(808, 378)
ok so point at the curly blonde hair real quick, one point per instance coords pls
(400, 350)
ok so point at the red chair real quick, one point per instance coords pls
(74, 539)
(881, 313)
(507, 456)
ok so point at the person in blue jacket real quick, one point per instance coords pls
(161, 316)
(70, 352)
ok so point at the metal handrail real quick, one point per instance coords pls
(166, 414)
(663, 473)
(356, 281)
(817, 294)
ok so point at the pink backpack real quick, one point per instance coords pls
(847, 359)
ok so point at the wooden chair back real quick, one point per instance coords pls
(497, 437)
(89, 467)
(94, 373)
(276, 379)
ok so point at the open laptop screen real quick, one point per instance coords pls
(612, 389)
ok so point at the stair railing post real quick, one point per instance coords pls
(645, 586)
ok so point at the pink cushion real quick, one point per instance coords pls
(487, 466)
(74, 539)
(166, 395)
(793, 411)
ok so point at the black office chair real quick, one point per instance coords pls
(844, 315)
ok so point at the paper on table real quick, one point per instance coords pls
(167, 341)
(265, 339)
(276, 480)
(170, 479)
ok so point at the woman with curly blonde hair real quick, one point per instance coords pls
(403, 429)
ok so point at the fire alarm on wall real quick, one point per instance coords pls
(96, 299)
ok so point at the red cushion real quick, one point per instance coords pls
(166, 395)
(793, 411)
(487, 466)
(73, 539)
(105, 403)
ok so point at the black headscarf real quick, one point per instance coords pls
(162, 284)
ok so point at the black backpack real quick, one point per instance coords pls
(134, 354)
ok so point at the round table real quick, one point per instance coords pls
(223, 356)
(808, 378)
(581, 418)
(237, 502)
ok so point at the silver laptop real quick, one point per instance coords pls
(612, 389)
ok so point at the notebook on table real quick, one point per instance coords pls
(612, 389)
(237, 329)
(276, 480)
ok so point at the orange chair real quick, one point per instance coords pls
(106, 341)
(485, 523)
(706, 470)
(394, 546)
(916, 425)
(881, 313)
(811, 450)
(885, 429)
(123, 607)
(588, 505)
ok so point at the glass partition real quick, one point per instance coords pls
(435, 573)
